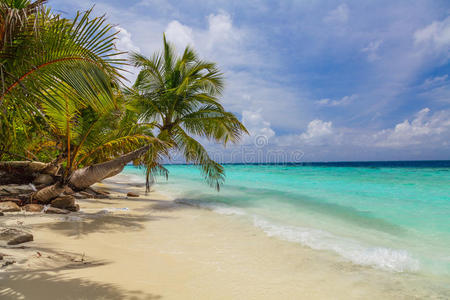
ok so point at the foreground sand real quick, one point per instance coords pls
(160, 249)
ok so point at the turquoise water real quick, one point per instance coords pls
(392, 218)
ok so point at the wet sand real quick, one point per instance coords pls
(152, 247)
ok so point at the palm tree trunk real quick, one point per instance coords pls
(85, 177)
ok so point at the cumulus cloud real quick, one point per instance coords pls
(220, 41)
(232, 47)
(338, 15)
(124, 43)
(424, 129)
(256, 126)
(317, 132)
(277, 69)
(179, 34)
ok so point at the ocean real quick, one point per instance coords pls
(393, 216)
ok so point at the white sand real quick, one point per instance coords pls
(159, 249)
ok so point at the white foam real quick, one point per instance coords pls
(220, 208)
(378, 257)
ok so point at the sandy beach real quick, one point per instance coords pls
(153, 247)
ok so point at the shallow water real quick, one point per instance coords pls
(389, 216)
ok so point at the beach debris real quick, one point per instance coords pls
(1, 214)
(131, 194)
(33, 208)
(9, 206)
(63, 201)
(54, 210)
(13, 236)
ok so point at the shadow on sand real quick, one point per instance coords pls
(87, 223)
(83, 223)
(39, 285)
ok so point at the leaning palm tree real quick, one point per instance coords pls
(93, 145)
(180, 94)
(58, 78)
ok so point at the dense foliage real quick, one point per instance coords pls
(63, 100)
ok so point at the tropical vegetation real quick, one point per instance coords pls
(68, 121)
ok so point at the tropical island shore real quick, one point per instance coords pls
(153, 247)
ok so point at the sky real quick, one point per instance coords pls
(311, 80)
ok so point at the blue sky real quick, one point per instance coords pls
(313, 80)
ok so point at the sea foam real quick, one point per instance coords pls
(379, 257)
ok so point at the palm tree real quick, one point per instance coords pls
(181, 95)
(58, 79)
(93, 145)
(42, 55)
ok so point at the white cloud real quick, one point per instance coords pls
(424, 129)
(341, 102)
(435, 37)
(255, 62)
(221, 41)
(437, 89)
(124, 42)
(257, 127)
(318, 132)
(180, 35)
(438, 80)
(338, 15)
(372, 50)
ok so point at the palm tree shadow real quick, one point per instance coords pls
(164, 205)
(78, 225)
(36, 286)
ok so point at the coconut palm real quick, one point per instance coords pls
(57, 99)
(92, 145)
(181, 95)
(42, 55)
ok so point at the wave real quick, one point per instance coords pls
(379, 257)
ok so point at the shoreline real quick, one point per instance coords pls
(152, 247)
